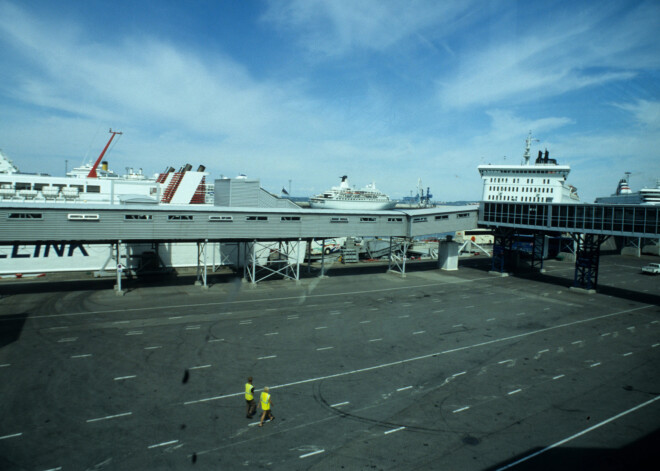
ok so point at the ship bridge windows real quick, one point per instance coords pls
(30, 216)
(93, 189)
(23, 186)
(179, 217)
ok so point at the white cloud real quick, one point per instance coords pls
(647, 113)
(337, 27)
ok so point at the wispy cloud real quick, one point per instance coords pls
(555, 55)
(646, 113)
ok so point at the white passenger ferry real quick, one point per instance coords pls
(624, 195)
(544, 181)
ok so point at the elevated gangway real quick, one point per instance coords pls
(588, 224)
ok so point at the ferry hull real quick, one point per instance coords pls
(361, 205)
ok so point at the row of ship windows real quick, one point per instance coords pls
(40, 186)
(525, 189)
(546, 181)
(189, 217)
(538, 199)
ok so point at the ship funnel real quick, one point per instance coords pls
(187, 168)
(539, 159)
(170, 170)
(104, 165)
(545, 157)
(201, 168)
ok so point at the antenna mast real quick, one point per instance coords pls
(528, 147)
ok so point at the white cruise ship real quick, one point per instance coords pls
(624, 195)
(543, 181)
(346, 197)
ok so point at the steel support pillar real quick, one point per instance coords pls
(201, 264)
(538, 250)
(502, 249)
(283, 261)
(397, 262)
(119, 268)
(586, 260)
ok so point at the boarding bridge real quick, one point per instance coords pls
(245, 228)
(588, 224)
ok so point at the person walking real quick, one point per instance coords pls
(266, 403)
(249, 398)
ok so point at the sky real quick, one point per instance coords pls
(298, 93)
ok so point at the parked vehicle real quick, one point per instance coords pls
(652, 269)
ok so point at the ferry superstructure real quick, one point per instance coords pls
(624, 195)
(97, 184)
(346, 197)
(544, 181)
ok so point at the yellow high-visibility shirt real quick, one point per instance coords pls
(248, 392)
(265, 401)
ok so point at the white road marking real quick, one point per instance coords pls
(64, 327)
(324, 348)
(406, 305)
(244, 322)
(13, 435)
(311, 454)
(67, 339)
(595, 364)
(457, 325)
(135, 332)
(4, 365)
(441, 310)
(558, 376)
(271, 309)
(605, 335)
(514, 392)
(579, 434)
(322, 327)
(655, 345)
(577, 342)
(490, 320)
(272, 333)
(120, 378)
(418, 332)
(375, 340)
(340, 404)
(431, 355)
(365, 322)
(193, 327)
(266, 358)
(458, 374)
(654, 322)
(154, 347)
(216, 340)
(86, 355)
(513, 362)
(520, 314)
(374, 309)
(292, 317)
(121, 322)
(199, 367)
(108, 417)
(394, 430)
(173, 317)
(59, 468)
(403, 317)
(171, 442)
(461, 409)
(334, 313)
(627, 354)
(468, 307)
(403, 389)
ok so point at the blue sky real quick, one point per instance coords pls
(309, 90)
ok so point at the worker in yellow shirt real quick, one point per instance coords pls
(249, 398)
(266, 402)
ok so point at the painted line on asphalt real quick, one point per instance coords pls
(173, 317)
(266, 358)
(193, 327)
(340, 404)
(13, 435)
(375, 340)
(577, 342)
(121, 322)
(605, 335)
(63, 327)
(461, 409)
(394, 430)
(244, 322)
(171, 442)
(403, 389)
(655, 345)
(108, 417)
(272, 333)
(154, 347)
(403, 317)
(135, 332)
(85, 355)
(457, 325)
(459, 374)
(440, 310)
(120, 378)
(59, 468)
(595, 364)
(4, 365)
(514, 392)
(491, 319)
(419, 332)
(199, 367)
(324, 348)
(579, 434)
(216, 340)
(67, 339)
(430, 355)
(627, 354)
(312, 453)
(322, 327)
(558, 376)
(365, 322)
(335, 313)
(292, 317)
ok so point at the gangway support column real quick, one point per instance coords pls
(201, 264)
(538, 250)
(118, 269)
(398, 263)
(448, 254)
(502, 250)
(587, 255)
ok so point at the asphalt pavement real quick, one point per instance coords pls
(457, 370)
